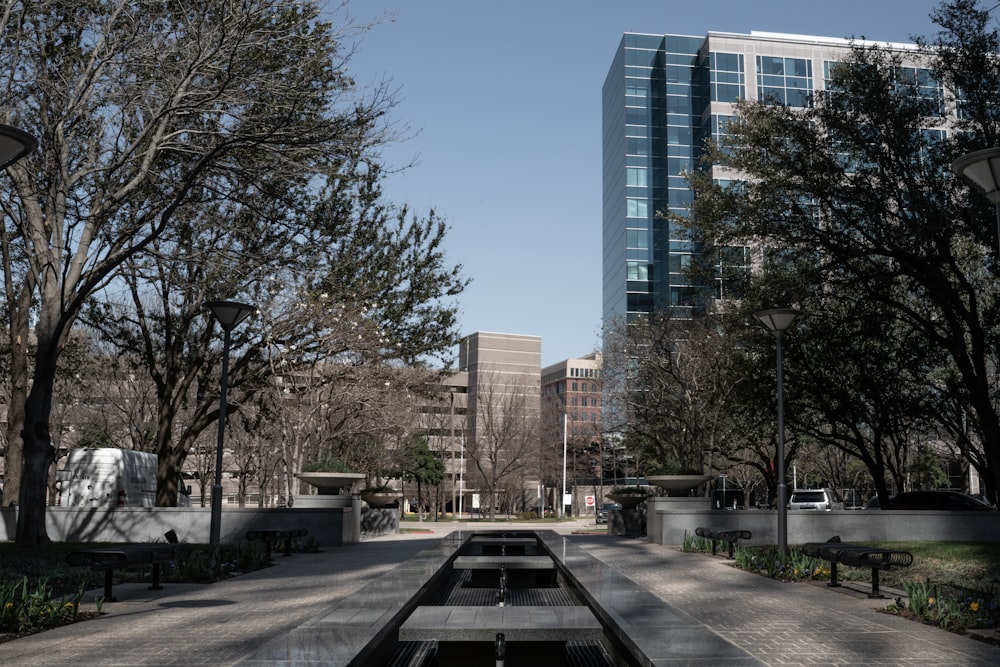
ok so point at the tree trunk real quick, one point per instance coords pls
(19, 331)
(38, 452)
(167, 457)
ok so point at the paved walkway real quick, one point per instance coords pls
(221, 624)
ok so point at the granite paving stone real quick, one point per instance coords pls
(295, 611)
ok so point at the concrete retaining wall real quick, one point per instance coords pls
(380, 521)
(667, 525)
(328, 526)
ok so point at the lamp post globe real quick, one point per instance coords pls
(14, 145)
(981, 169)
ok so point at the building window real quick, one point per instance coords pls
(785, 81)
(925, 87)
(637, 88)
(679, 263)
(637, 238)
(636, 177)
(636, 146)
(638, 270)
(727, 76)
(637, 208)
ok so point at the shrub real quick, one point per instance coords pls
(955, 611)
(27, 607)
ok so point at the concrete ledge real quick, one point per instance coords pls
(481, 624)
(508, 562)
(500, 539)
(653, 631)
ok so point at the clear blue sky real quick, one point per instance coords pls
(503, 102)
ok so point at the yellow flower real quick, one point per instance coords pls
(8, 605)
(974, 606)
(930, 601)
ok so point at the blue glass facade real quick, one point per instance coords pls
(651, 128)
(663, 97)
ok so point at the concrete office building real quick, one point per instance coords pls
(571, 425)
(502, 430)
(572, 389)
(663, 97)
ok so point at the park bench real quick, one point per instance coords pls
(856, 555)
(730, 537)
(520, 635)
(272, 536)
(129, 555)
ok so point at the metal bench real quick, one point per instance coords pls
(270, 536)
(130, 555)
(728, 536)
(857, 555)
(520, 635)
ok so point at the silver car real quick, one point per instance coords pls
(811, 499)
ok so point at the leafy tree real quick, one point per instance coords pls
(422, 466)
(926, 471)
(857, 187)
(149, 114)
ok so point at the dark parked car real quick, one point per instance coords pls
(937, 500)
(602, 512)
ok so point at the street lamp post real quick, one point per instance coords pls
(982, 170)
(562, 499)
(14, 144)
(777, 320)
(229, 314)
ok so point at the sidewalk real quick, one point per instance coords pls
(221, 624)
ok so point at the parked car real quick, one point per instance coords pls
(938, 500)
(602, 512)
(811, 499)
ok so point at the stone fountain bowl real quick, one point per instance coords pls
(329, 483)
(677, 483)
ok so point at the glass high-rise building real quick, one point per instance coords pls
(663, 97)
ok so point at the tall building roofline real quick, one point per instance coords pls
(812, 39)
(788, 37)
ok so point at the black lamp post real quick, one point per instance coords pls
(777, 320)
(229, 314)
(14, 145)
(982, 170)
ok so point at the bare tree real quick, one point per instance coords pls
(506, 433)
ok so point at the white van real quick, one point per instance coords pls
(109, 477)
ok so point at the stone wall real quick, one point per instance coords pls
(328, 526)
(667, 524)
